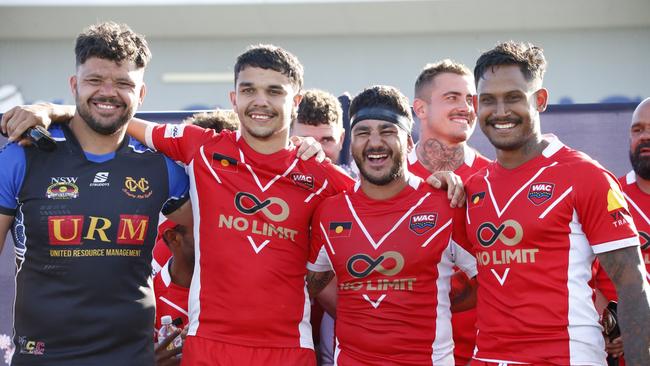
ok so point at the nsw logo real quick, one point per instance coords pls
(422, 222)
(302, 180)
(539, 193)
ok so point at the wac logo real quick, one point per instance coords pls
(509, 233)
(539, 193)
(423, 222)
(62, 188)
(302, 180)
(71, 229)
(136, 188)
(274, 208)
(644, 239)
(389, 264)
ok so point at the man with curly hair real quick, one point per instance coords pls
(320, 116)
(538, 217)
(84, 216)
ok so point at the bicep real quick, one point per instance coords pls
(317, 281)
(5, 224)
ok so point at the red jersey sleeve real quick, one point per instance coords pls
(178, 141)
(339, 179)
(602, 210)
(317, 260)
(464, 252)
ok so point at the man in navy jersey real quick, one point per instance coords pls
(84, 217)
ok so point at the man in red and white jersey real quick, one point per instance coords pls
(636, 189)
(538, 217)
(392, 242)
(443, 103)
(252, 201)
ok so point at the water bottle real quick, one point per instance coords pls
(167, 328)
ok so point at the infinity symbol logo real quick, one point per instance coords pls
(498, 233)
(376, 264)
(263, 206)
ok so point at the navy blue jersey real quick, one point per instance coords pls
(84, 230)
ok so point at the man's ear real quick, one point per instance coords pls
(420, 108)
(409, 144)
(541, 99)
(233, 99)
(73, 85)
(171, 238)
(297, 99)
(475, 103)
(143, 92)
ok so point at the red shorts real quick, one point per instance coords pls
(199, 351)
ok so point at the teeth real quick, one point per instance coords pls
(504, 126)
(105, 106)
(260, 116)
(461, 120)
(376, 156)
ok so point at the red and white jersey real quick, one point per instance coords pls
(536, 230)
(171, 299)
(463, 323)
(251, 227)
(393, 260)
(639, 205)
(473, 163)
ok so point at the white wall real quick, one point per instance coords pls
(586, 66)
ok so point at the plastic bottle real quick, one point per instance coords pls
(167, 328)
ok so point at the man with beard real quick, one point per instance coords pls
(84, 216)
(537, 217)
(443, 103)
(392, 242)
(636, 189)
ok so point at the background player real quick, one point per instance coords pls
(443, 103)
(537, 217)
(392, 242)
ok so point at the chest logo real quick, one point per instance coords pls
(274, 208)
(476, 200)
(62, 188)
(539, 193)
(303, 180)
(422, 222)
(509, 232)
(137, 188)
(224, 163)
(339, 229)
(389, 264)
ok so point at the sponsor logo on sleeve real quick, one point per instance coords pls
(422, 222)
(174, 131)
(539, 193)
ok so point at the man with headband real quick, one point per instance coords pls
(392, 242)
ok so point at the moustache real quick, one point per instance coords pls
(643, 145)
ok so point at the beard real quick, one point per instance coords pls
(395, 172)
(102, 128)
(641, 165)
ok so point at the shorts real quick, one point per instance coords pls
(199, 351)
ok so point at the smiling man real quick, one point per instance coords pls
(392, 242)
(443, 103)
(538, 217)
(84, 216)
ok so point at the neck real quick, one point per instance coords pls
(436, 155)
(272, 144)
(93, 142)
(384, 192)
(643, 184)
(181, 272)
(511, 159)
